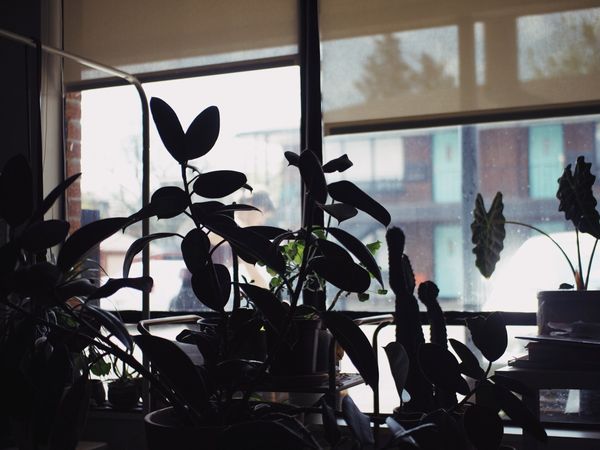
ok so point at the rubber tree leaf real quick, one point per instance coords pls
(53, 196)
(313, 176)
(339, 211)
(347, 192)
(469, 364)
(292, 158)
(340, 164)
(399, 364)
(168, 201)
(195, 248)
(358, 249)
(113, 285)
(113, 325)
(219, 183)
(212, 286)
(268, 232)
(489, 335)
(345, 275)
(202, 133)
(201, 210)
(137, 246)
(267, 303)
(484, 427)
(169, 129)
(16, 191)
(87, 237)
(358, 348)
(441, 368)
(576, 198)
(487, 234)
(42, 235)
(359, 423)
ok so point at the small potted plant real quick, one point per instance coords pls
(573, 303)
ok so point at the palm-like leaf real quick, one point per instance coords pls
(487, 234)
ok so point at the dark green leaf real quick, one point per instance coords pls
(339, 164)
(113, 325)
(339, 211)
(53, 196)
(113, 285)
(358, 249)
(399, 364)
(212, 286)
(79, 287)
(267, 303)
(87, 237)
(219, 183)
(195, 249)
(293, 159)
(355, 343)
(313, 176)
(487, 234)
(484, 427)
(168, 201)
(576, 198)
(200, 211)
(138, 246)
(43, 235)
(347, 192)
(202, 133)
(359, 423)
(345, 275)
(513, 385)
(16, 191)
(268, 232)
(469, 363)
(441, 368)
(489, 335)
(169, 129)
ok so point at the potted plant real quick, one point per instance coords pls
(573, 302)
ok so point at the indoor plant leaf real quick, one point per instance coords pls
(358, 249)
(355, 343)
(343, 274)
(87, 237)
(78, 287)
(489, 335)
(292, 158)
(42, 235)
(487, 234)
(195, 248)
(266, 231)
(219, 183)
(359, 423)
(347, 192)
(339, 211)
(576, 198)
(267, 303)
(201, 210)
(313, 176)
(339, 164)
(168, 201)
(202, 133)
(169, 128)
(469, 364)
(137, 246)
(212, 286)
(53, 196)
(484, 427)
(16, 191)
(113, 285)
(113, 325)
(441, 368)
(399, 364)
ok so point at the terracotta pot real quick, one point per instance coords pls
(565, 306)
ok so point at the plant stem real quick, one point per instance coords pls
(587, 275)
(578, 279)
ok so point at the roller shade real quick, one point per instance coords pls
(142, 36)
(386, 60)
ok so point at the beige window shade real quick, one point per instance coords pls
(388, 60)
(142, 36)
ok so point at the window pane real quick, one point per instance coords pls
(438, 173)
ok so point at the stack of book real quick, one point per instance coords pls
(559, 353)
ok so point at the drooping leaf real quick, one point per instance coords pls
(87, 237)
(489, 335)
(212, 286)
(16, 191)
(202, 210)
(218, 183)
(169, 128)
(576, 197)
(195, 248)
(43, 235)
(293, 159)
(343, 274)
(202, 133)
(484, 427)
(267, 303)
(266, 231)
(487, 234)
(469, 364)
(441, 368)
(339, 211)
(137, 246)
(399, 364)
(113, 285)
(349, 335)
(400, 437)
(53, 196)
(113, 325)
(359, 423)
(358, 249)
(347, 192)
(168, 201)
(330, 425)
(313, 176)
(339, 164)
(78, 287)
(70, 416)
